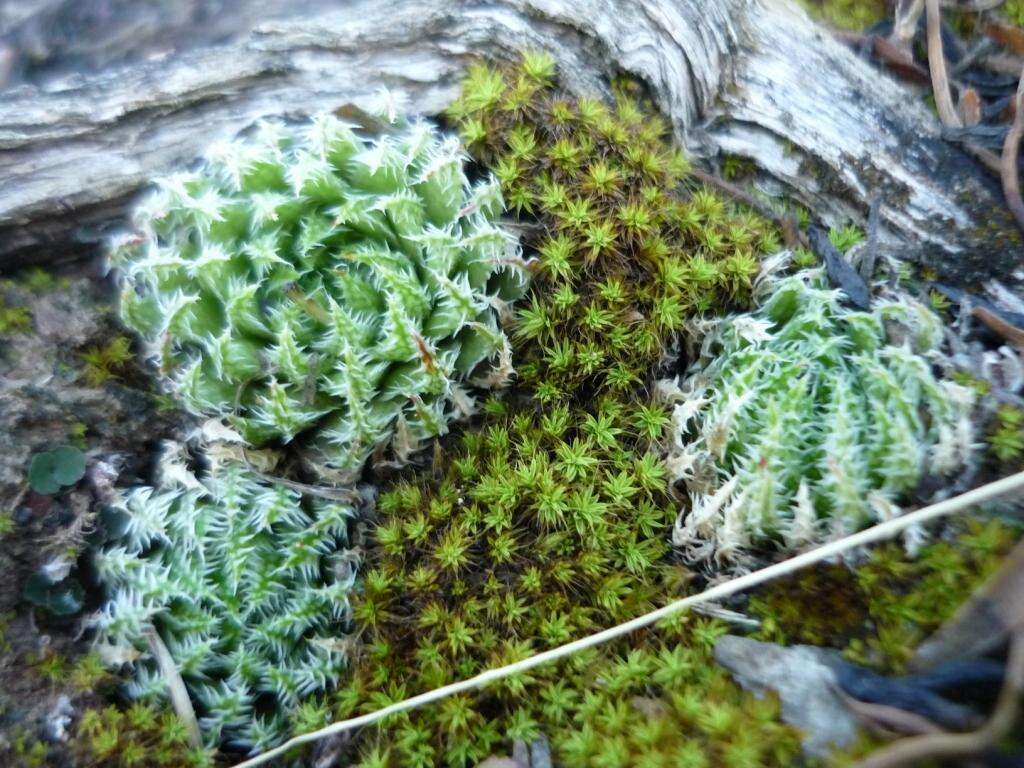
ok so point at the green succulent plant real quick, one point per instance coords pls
(248, 588)
(307, 283)
(806, 420)
(624, 253)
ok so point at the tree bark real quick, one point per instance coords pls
(754, 78)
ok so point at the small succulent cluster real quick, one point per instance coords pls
(247, 587)
(622, 256)
(543, 529)
(807, 420)
(307, 282)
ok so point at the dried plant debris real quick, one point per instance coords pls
(805, 421)
(248, 588)
(309, 283)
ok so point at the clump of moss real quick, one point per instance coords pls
(102, 736)
(550, 524)
(622, 257)
(123, 736)
(1013, 10)
(848, 14)
(18, 319)
(106, 362)
(1007, 439)
(879, 612)
(665, 703)
(40, 281)
(133, 737)
(845, 237)
(542, 529)
(14, 319)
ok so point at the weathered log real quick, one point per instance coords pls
(754, 78)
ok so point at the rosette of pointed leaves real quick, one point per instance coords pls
(306, 282)
(806, 420)
(247, 587)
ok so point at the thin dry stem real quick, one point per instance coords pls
(918, 750)
(948, 113)
(1009, 170)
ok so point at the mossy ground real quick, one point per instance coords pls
(626, 247)
(548, 521)
(879, 612)
(551, 520)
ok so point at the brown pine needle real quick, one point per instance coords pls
(937, 65)
(1011, 152)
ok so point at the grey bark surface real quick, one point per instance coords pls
(86, 122)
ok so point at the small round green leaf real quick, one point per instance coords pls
(52, 470)
(69, 465)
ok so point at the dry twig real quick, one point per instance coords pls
(1008, 331)
(918, 750)
(937, 65)
(1011, 152)
(908, 13)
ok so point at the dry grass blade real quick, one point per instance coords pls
(884, 719)
(1009, 170)
(176, 686)
(948, 113)
(908, 13)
